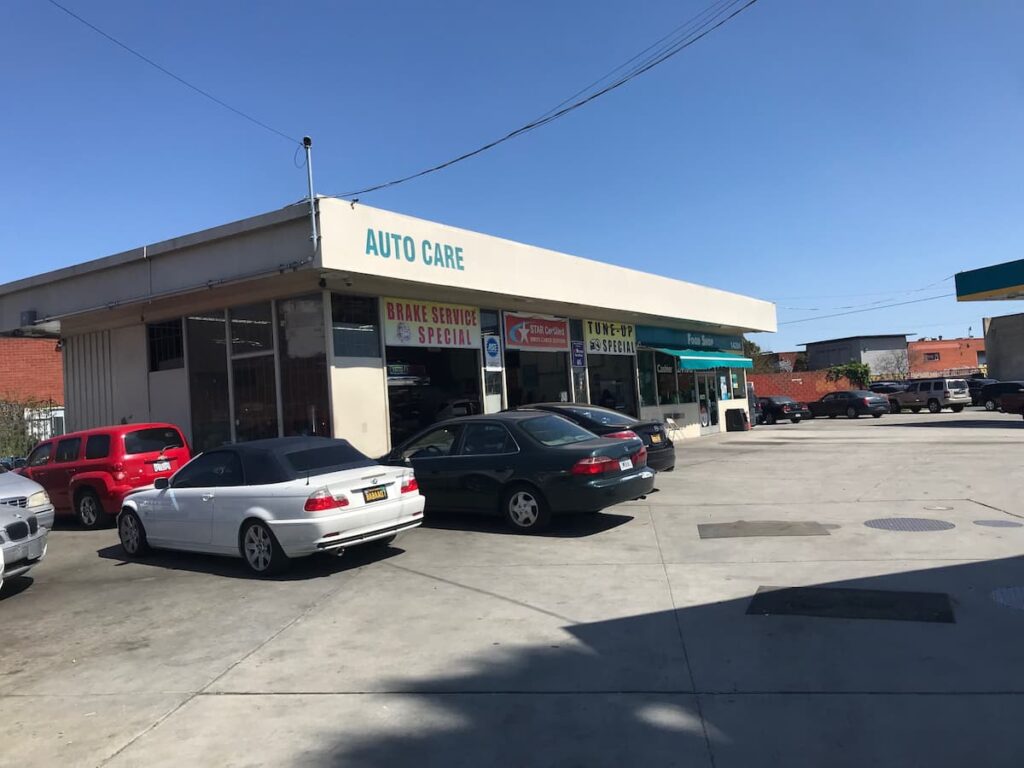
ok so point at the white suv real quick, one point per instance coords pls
(933, 394)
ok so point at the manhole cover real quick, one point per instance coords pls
(1011, 597)
(999, 523)
(911, 524)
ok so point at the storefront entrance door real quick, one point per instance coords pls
(707, 398)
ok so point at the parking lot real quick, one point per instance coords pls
(615, 639)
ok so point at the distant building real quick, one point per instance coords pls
(1004, 347)
(32, 378)
(885, 354)
(952, 356)
(781, 362)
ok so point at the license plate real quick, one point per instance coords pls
(161, 466)
(655, 438)
(626, 464)
(375, 494)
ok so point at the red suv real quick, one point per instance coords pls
(88, 473)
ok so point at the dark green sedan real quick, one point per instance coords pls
(523, 465)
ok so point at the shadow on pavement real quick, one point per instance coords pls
(773, 690)
(314, 566)
(963, 424)
(15, 586)
(562, 526)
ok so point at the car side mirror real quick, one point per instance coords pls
(161, 483)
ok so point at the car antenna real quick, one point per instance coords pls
(308, 472)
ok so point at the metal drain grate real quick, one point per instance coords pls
(909, 524)
(1011, 597)
(999, 523)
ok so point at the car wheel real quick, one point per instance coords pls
(260, 549)
(956, 408)
(934, 406)
(876, 415)
(89, 510)
(132, 534)
(832, 415)
(795, 420)
(525, 509)
(894, 406)
(851, 413)
(915, 410)
(770, 418)
(990, 405)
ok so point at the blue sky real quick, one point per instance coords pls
(819, 154)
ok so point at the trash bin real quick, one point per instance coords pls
(736, 420)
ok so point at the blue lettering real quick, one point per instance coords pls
(371, 243)
(409, 247)
(438, 255)
(458, 258)
(449, 257)
(427, 259)
(384, 243)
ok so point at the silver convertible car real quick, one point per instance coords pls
(268, 501)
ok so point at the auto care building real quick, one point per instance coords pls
(384, 325)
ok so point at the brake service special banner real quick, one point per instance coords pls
(409, 323)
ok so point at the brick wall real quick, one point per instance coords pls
(802, 386)
(952, 354)
(31, 370)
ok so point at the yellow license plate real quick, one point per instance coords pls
(655, 438)
(375, 494)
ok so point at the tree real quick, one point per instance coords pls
(858, 374)
(15, 437)
(895, 364)
(764, 362)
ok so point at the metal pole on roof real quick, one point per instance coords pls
(307, 143)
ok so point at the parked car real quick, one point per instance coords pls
(22, 541)
(11, 463)
(933, 394)
(269, 501)
(22, 493)
(887, 387)
(1013, 402)
(850, 403)
(88, 473)
(992, 394)
(776, 408)
(974, 387)
(661, 452)
(523, 465)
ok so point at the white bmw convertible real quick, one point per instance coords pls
(269, 501)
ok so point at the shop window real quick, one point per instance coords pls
(613, 382)
(739, 383)
(355, 326)
(255, 397)
(166, 345)
(303, 358)
(251, 329)
(686, 381)
(665, 368)
(208, 380)
(648, 384)
(576, 330)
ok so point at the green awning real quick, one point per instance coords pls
(702, 360)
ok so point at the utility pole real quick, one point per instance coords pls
(307, 143)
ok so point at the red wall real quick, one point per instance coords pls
(31, 370)
(802, 386)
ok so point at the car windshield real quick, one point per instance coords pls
(554, 430)
(332, 458)
(603, 416)
(863, 393)
(152, 440)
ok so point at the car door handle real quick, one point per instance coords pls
(207, 496)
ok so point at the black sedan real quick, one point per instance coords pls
(661, 452)
(851, 403)
(777, 408)
(524, 466)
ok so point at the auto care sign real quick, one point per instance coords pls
(605, 338)
(409, 323)
(536, 332)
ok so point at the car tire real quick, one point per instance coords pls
(915, 409)
(132, 534)
(89, 511)
(525, 509)
(770, 419)
(851, 413)
(956, 408)
(894, 406)
(832, 415)
(876, 415)
(260, 550)
(795, 420)
(934, 406)
(990, 405)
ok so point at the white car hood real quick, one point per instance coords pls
(12, 484)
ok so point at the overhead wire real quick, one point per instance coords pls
(869, 309)
(172, 75)
(704, 28)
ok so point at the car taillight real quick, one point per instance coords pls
(594, 465)
(409, 485)
(867, 401)
(639, 458)
(626, 434)
(323, 500)
(119, 473)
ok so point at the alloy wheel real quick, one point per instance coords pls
(523, 509)
(129, 530)
(259, 549)
(87, 510)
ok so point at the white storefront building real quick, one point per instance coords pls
(390, 323)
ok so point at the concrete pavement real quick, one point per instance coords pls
(616, 639)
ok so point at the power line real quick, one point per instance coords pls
(557, 113)
(170, 74)
(870, 309)
(859, 295)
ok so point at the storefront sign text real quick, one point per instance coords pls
(579, 354)
(536, 332)
(394, 245)
(430, 324)
(604, 338)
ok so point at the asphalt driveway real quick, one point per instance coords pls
(616, 639)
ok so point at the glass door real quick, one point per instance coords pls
(707, 399)
(253, 371)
